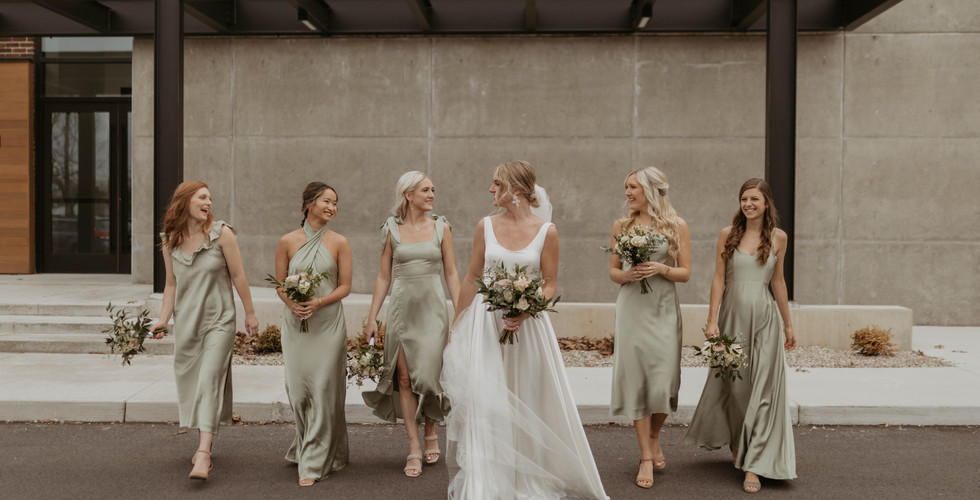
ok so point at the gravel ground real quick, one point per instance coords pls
(800, 358)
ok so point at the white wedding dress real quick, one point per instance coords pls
(514, 430)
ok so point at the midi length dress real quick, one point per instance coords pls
(204, 334)
(316, 369)
(750, 414)
(418, 326)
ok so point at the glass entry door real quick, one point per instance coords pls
(86, 188)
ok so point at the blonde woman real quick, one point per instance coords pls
(750, 414)
(417, 255)
(647, 360)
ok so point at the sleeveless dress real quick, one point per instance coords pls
(750, 414)
(204, 334)
(514, 431)
(316, 370)
(647, 358)
(418, 325)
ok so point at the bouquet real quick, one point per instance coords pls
(299, 288)
(634, 246)
(126, 334)
(723, 353)
(364, 359)
(515, 293)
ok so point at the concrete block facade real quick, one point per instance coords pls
(888, 144)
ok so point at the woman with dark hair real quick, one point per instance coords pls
(750, 414)
(647, 360)
(417, 253)
(315, 361)
(202, 262)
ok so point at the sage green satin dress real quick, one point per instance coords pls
(316, 370)
(418, 325)
(750, 414)
(204, 334)
(647, 358)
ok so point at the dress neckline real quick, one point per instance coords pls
(497, 242)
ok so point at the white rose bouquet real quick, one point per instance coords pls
(515, 293)
(724, 354)
(126, 335)
(300, 288)
(634, 246)
(364, 362)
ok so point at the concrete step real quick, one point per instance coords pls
(53, 324)
(73, 343)
(76, 307)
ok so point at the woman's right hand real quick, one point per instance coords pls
(371, 330)
(711, 330)
(298, 310)
(158, 330)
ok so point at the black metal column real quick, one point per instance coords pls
(781, 119)
(168, 116)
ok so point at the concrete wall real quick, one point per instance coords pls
(889, 141)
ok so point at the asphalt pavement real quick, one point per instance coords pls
(149, 461)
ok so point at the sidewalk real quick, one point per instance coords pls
(95, 388)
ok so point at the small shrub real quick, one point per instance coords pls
(243, 345)
(361, 339)
(873, 341)
(268, 341)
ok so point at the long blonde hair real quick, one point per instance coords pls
(406, 184)
(654, 184)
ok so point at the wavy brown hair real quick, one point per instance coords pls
(310, 194)
(770, 222)
(175, 221)
(654, 183)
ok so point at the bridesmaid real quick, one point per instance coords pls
(750, 415)
(202, 262)
(647, 359)
(316, 362)
(418, 252)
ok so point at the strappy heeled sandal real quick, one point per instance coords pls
(751, 486)
(432, 456)
(307, 481)
(202, 475)
(416, 469)
(643, 482)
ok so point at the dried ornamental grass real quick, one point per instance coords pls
(361, 339)
(268, 341)
(873, 341)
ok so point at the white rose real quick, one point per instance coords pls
(539, 293)
(508, 296)
(292, 278)
(504, 283)
(638, 241)
(521, 284)
(522, 304)
(624, 239)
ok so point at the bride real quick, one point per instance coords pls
(514, 430)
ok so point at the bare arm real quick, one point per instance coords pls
(467, 289)
(282, 270)
(778, 283)
(345, 273)
(449, 266)
(681, 272)
(717, 286)
(616, 272)
(169, 296)
(233, 259)
(381, 285)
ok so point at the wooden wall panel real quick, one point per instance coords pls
(16, 167)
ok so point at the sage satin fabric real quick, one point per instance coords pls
(750, 414)
(418, 325)
(204, 334)
(647, 356)
(316, 370)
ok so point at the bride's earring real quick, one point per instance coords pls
(517, 201)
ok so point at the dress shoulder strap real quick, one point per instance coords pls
(441, 223)
(390, 227)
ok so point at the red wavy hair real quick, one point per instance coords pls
(175, 221)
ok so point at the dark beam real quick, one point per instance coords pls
(91, 14)
(219, 15)
(781, 34)
(745, 13)
(858, 12)
(642, 13)
(317, 12)
(422, 10)
(530, 15)
(168, 116)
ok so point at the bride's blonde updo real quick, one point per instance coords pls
(518, 176)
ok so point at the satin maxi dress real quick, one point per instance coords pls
(316, 370)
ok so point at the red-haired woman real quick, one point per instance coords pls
(202, 261)
(750, 415)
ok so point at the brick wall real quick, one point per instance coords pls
(16, 47)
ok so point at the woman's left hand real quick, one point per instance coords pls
(251, 324)
(310, 306)
(790, 339)
(514, 324)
